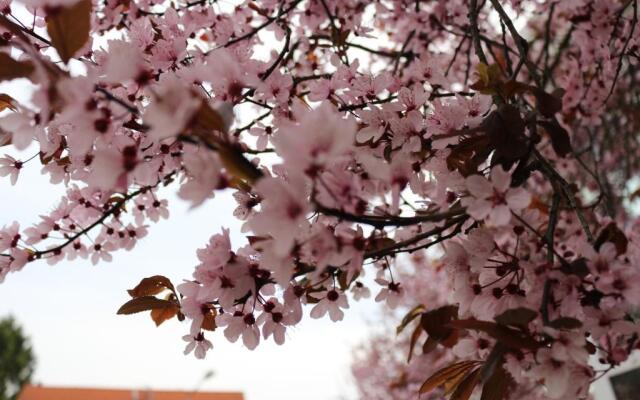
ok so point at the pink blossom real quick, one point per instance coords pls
(328, 137)
(494, 199)
(390, 293)
(198, 344)
(239, 324)
(332, 303)
(11, 167)
(282, 214)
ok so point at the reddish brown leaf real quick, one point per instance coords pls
(411, 315)
(159, 315)
(151, 286)
(344, 282)
(560, 141)
(452, 384)
(507, 336)
(611, 233)
(237, 165)
(492, 361)
(505, 128)
(512, 87)
(467, 155)
(69, 28)
(205, 124)
(5, 138)
(12, 69)
(145, 303)
(414, 338)
(207, 120)
(209, 321)
(547, 104)
(445, 374)
(7, 101)
(576, 267)
(565, 323)
(429, 345)
(465, 388)
(256, 239)
(520, 317)
(436, 324)
(495, 388)
(379, 243)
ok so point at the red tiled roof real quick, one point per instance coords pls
(58, 393)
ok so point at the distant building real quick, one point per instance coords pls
(64, 393)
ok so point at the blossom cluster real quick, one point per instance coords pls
(351, 132)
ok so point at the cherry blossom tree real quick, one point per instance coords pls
(494, 143)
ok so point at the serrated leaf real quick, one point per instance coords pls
(151, 286)
(145, 303)
(69, 28)
(12, 69)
